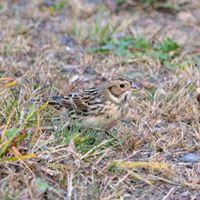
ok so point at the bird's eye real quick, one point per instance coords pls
(122, 85)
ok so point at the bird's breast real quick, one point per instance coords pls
(107, 117)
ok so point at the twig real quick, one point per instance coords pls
(169, 193)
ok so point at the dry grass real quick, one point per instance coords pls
(44, 51)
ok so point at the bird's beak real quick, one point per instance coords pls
(135, 87)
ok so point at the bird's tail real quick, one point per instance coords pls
(55, 101)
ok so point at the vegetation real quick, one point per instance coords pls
(56, 47)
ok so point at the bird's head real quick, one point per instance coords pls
(120, 90)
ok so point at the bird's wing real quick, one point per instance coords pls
(87, 100)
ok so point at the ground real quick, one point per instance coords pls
(56, 47)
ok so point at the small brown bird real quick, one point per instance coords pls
(97, 108)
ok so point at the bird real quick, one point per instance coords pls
(98, 108)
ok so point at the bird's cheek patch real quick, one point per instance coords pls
(115, 91)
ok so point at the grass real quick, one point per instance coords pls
(130, 47)
(40, 158)
(55, 6)
(167, 6)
